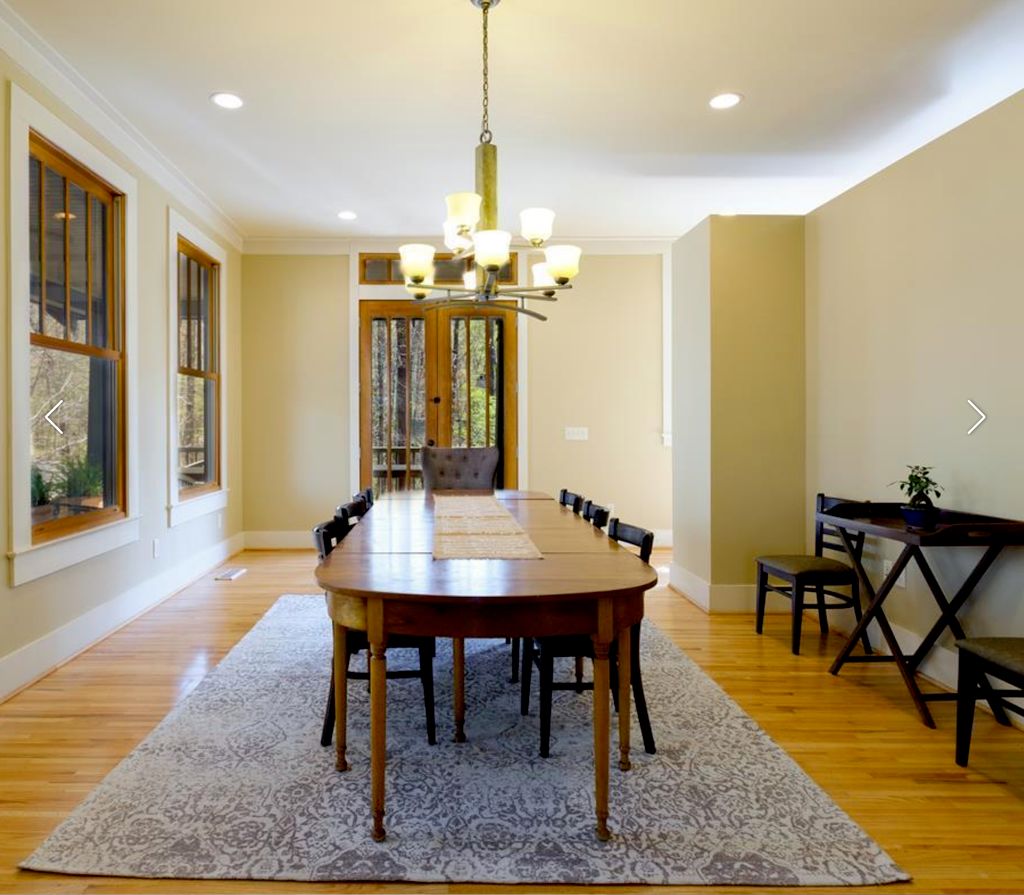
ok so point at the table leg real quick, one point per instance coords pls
(459, 672)
(378, 714)
(602, 696)
(625, 665)
(340, 696)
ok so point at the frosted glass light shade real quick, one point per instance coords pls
(417, 261)
(463, 210)
(536, 224)
(542, 274)
(417, 290)
(455, 241)
(469, 279)
(491, 247)
(563, 262)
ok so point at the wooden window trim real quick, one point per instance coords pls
(366, 257)
(196, 254)
(51, 156)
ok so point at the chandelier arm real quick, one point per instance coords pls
(524, 297)
(477, 304)
(518, 289)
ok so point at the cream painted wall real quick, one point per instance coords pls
(915, 303)
(738, 392)
(296, 408)
(597, 362)
(41, 607)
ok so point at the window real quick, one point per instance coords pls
(76, 345)
(198, 392)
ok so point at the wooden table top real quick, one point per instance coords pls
(500, 494)
(389, 554)
(954, 529)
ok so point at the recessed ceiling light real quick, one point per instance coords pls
(227, 100)
(347, 215)
(725, 100)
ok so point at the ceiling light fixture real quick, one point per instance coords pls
(725, 100)
(471, 231)
(227, 100)
(347, 215)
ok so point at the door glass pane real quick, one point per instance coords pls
(480, 406)
(417, 400)
(460, 404)
(74, 471)
(98, 247)
(379, 403)
(494, 363)
(78, 251)
(397, 401)
(55, 221)
(35, 286)
(197, 431)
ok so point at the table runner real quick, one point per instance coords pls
(478, 528)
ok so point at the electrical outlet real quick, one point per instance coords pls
(887, 568)
(156, 548)
(576, 433)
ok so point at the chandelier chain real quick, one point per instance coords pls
(485, 125)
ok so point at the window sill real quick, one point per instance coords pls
(48, 557)
(193, 507)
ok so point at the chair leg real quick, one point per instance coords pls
(822, 610)
(327, 734)
(427, 679)
(613, 675)
(526, 676)
(798, 615)
(579, 674)
(547, 674)
(857, 613)
(966, 690)
(638, 691)
(762, 594)
(515, 660)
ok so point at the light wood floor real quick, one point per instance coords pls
(857, 735)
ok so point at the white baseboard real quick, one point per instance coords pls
(36, 659)
(663, 537)
(731, 598)
(691, 586)
(278, 540)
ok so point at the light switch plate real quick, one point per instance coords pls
(576, 433)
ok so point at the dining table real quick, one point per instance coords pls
(953, 528)
(384, 579)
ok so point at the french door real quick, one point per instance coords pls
(444, 377)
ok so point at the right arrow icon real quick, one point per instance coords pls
(980, 412)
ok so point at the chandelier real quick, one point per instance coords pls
(470, 231)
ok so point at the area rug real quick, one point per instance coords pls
(233, 784)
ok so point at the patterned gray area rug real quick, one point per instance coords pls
(233, 784)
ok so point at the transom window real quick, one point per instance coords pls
(76, 321)
(198, 372)
(383, 269)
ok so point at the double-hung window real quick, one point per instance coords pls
(198, 392)
(76, 353)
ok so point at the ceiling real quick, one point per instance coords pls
(599, 108)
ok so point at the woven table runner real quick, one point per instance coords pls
(478, 528)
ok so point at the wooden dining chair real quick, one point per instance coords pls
(998, 657)
(460, 469)
(542, 651)
(817, 573)
(571, 500)
(326, 537)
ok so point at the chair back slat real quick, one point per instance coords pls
(367, 495)
(572, 500)
(632, 534)
(595, 514)
(327, 535)
(826, 537)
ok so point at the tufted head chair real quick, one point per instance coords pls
(459, 469)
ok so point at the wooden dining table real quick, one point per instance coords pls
(384, 580)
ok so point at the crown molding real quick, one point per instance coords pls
(28, 49)
(327, 245)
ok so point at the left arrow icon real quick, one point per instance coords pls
(60, 431)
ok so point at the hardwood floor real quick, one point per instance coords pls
(857, 735)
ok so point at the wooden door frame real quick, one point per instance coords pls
(438, 415)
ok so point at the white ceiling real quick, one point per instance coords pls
(599, 107)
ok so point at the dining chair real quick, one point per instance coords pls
(595, 514)
(355, 509)
(999, 657)
(542, 651)
(816, 573)
(327, 536)
(366, 494)
(460, 469)
(571, 500)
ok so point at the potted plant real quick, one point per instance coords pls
(42, 509)
(919, 486)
